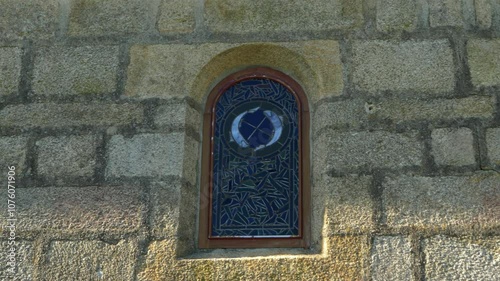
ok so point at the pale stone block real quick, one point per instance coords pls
(418, 66)
(76, 114)
(90, 260)
(249, 16)
(391, 259)
(396, 15)
(454, 203)
(351, 151)
(67, 156)
(484, 61)
(493, 145)
(111, 17)
(453, 147)
(461, 259)
(75, 70)
(177, 16)
(10, 70)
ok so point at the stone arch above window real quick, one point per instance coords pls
(255, 166)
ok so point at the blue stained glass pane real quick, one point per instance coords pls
(255, 161)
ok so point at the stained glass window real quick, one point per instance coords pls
(255, 184)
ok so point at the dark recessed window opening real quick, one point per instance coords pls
(255, 176)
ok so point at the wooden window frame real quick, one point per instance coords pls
(302, 241)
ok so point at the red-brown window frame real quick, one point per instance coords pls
(302, 241)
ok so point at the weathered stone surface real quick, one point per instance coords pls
(10, 70)
(483, 13)
(32, 19)
(177, 115)
(493, 144)
(23, 258)
(344, 260)
(146, 155)
(67, 156)
(78, 210)
(177, 70)
(495, 18)
(400, 110)
(255, 16)
(445, 13)
(111, 17)
(342, 205)
(457, 203)
(461, 259)
(90, 260)
(453, 147)
(323, 56)
(190, 160)
(176, 16)
(391, 258)
(341, 114)
(357, 113)
(419, 66)
(75, 70)
(13, 153)
(165, 201)
(396, 15)
(484, 61)
(61, 115)
(340, 151)
(166, 70)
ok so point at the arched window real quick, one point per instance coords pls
(255, 170)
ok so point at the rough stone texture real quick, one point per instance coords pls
(248, 16)
(177, 115)
(483, 13)
(454, 147)
(445, 13)
(10, 70)
(339, 151)
(24, 261)
(391, 259)
(62, 115)
(419, 66)
(484, 61)
(90, 260)
(165, 202)
(357, 113)
(343, 205)
(67, 156)
(191, 160)
(495, 17)
(401, 110)
(323, 56)
(78, 210)
(173, 202)
(461, 259)
(455, 203)
(166, 70)
(55, 72)
(493, 144)
(32, 19)
(176, 16)
(344, 259)
(177, 70)
(396, 15)
(111, 17)
(341, 114)
(13, 153)
(148, 155)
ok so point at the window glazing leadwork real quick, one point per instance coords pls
(255, 190)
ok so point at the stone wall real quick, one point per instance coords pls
(100, 113)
